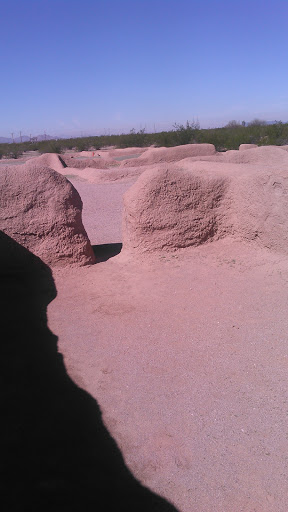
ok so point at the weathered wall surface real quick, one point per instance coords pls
(41, 210)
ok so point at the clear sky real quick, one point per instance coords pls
(72, 67)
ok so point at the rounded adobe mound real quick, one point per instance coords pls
(51, 160)
(264, 155)
(172, 208)
(41, 210)
(195, 202)
(285, 147)
(97, 163)
(163, 155)
(244, 147)
(114, 153)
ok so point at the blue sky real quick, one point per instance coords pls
(71, 67)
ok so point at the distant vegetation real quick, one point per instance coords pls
(229, 137)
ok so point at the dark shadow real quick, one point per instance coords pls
(62, 161)
(56, 454)
(106, 251)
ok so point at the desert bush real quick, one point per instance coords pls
(257, 122)
(133, 139)
(186, 134)
(15, 150)
(53, 147)
(163, 139)
(229, 137)
(233, 124)
(83, 144)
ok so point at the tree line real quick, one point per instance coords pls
(225, 138)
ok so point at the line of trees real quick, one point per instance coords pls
(229, 137)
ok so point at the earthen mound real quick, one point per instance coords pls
(244, 147)
(172, 208)
(85, 154)
(191, 203)
(109, 175)
(51, 160)
(118, 174)
(162, 155)
(97, 163)
(125, 151)
(285, 147)
(264, 155)
(41, 210)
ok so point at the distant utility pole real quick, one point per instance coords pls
(12, 134)
(20, 136)
(33, 139)
(45, 134)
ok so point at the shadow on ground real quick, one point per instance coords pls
(106, 251)
(56, 454)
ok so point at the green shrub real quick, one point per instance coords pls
(53, 147)
(186, 134)
(14, 151)
(83, 144)
(229, 137)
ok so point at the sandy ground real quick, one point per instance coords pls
(186, 354)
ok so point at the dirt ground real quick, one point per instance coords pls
(186, 353)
